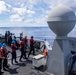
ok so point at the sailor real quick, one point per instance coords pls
(25, 40)
(45, 51)
(1, 59)
(74, 60)
(31, 46)
(10, 39)
(17, 44)
(6, 34)
(21, 35)
(13, 47)
(22, 46)
(26, 43)
(4, 54)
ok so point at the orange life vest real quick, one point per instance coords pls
(0, 52)
(4, 52)
(21, 44)
(45, 52)
(31, 41)
(25, 40)
(13, 47)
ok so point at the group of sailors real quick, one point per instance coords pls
(22, 47)
(15, 45)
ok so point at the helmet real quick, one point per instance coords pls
(10, 33)
(0, 44)
(3, 45)
(32, 37)
(22, 39)
(25, 36)
(13, 42)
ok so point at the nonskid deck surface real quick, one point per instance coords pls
(22, 68)
(25, 67)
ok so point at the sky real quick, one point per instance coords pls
(29, 12)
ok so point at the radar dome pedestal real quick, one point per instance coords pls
(61, 21)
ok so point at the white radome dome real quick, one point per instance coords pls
(61, 20)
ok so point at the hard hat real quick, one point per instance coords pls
(0, 44)
(10, 33)
(13, 42)
(3, 45)
(22, 39)
(25, 36)
(32, 37)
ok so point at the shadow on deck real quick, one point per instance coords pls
(25, 68)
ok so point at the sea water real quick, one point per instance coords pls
(38, 32)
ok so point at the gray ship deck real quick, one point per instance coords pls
(25, 67)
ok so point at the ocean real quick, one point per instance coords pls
(38, 32)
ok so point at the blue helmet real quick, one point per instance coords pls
(32, 37)
(13, 42)
(22, 39)
(0, 45)
(3, 45)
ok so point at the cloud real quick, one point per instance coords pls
(54, 3)
(4, 7)
(16, 17)
(30, 21)
(19, 14)
(20, 11)
(31, 11)
(41, 20)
